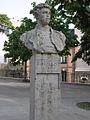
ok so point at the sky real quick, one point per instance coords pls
(15, 10)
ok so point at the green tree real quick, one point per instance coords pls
(5, 21)
(81, 18)
(60, 22)
(78, 13)
(15, 49)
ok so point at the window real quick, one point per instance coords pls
(64, 75)
(5, 60)
(63, 59)
(72, 32)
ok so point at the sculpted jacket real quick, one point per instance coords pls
(44, 41)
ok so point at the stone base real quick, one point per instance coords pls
(45, 87)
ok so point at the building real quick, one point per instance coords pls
(4, 29)
(68, 68)
(3, 61)
(77, 71)
(82, 70)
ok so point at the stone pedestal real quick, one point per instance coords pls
(45, 87)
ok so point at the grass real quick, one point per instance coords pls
(84, 105)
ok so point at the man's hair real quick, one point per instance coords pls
(39, 7)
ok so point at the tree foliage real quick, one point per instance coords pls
(15, 49)
(60, 22)
(78, 13)
(5, 20)
(80, 10)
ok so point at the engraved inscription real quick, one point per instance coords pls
(48, 64)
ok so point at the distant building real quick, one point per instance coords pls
(68, 68)
(7, 69)
(3, 60)
(3, 36)
(4, 29)
(77, 71)
(82, 70)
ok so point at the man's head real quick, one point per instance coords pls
(42, 13)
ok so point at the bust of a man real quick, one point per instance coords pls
(43, 39)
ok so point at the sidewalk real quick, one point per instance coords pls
(72, 94)
(14, 101)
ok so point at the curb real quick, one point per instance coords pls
(75, 83)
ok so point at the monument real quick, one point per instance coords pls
(45, 66)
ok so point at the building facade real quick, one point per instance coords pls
(78, 71)
(82, 70)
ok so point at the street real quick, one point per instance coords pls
(14, 101)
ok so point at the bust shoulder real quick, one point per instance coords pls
(25, 35)
(60, 36)
(29, 34)
(58, 39)
(27, 38)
